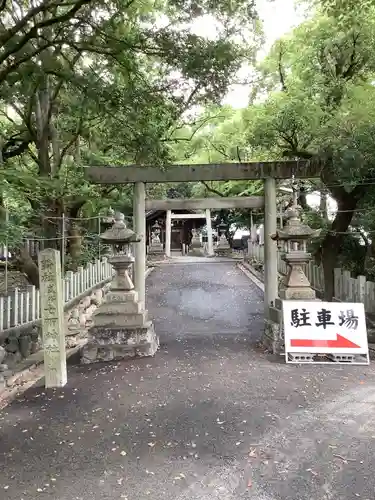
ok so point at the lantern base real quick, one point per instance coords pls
(155, 253)
(223, 248)
(197, 252)
(223, 251)
(297, 293)
(121, 329)
(196, 248)
(111, 344)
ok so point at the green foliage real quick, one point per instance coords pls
(94, 82)
(320, 102)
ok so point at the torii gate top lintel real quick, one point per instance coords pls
(302, 169)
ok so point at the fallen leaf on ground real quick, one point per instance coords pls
(346, 460)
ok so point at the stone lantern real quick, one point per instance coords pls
(196, 247)
(155, 250)
(223, 248)
(108, 219)
(293, 239)
(121, 328)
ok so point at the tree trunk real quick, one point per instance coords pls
(75, 238)
(302, 201)
(74, 246)
(51, 223)
(323, 205)
(26, 265)
(331, 245)
(370, 254)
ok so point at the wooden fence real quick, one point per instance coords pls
(32, 246)
(347, 289)
(19, 308)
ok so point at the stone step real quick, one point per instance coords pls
(115, 319)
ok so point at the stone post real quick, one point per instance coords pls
(210, 242)
(52, 309)
(270, 246)
(139, 200)
(168, 231)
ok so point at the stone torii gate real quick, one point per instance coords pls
(269, 172)
(206, 204)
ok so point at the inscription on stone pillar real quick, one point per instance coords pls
(52, 311)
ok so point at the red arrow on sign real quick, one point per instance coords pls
(340, 341)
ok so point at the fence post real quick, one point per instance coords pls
(370, 289)
(75, 284)
(33, 303)
(91, 275)
(21, 309)
(109, 270)
(16, 307)
(8, 311)
(85, 279)
(314, 281)
(308, 271)
(321, 278)
(37, 304)
(69, 285)
(81, 278)
(346, 285)
(96, 272)
(337, 283)
(27, 306)
(100, 270)
(361, 288)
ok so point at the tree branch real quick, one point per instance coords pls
(71, 142)
(238, 154)
(33, 32)
(220, 150)
(280, 69)
(15, 147)
(212, 190)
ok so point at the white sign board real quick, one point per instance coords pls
(324, 328)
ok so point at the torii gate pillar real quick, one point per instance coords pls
(270, 246)
(139, 201)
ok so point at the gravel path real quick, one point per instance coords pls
(210, 417)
